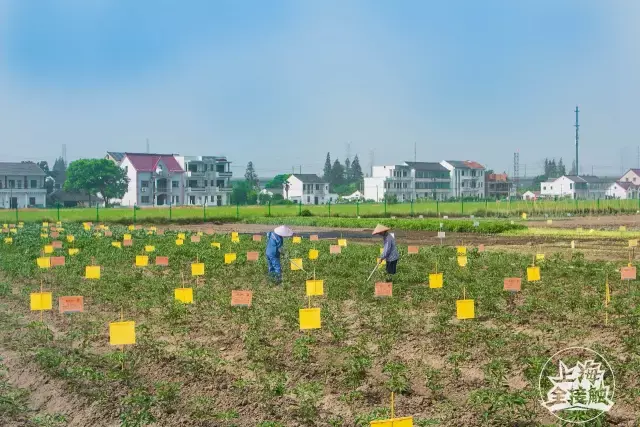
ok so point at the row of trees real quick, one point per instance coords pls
(343, 179)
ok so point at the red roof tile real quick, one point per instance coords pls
(149, 162)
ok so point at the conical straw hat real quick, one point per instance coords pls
(283, 231)
(380, 229)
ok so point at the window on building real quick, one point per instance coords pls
(144, 184)
(220, 183)
(34, 183)
(0, 184)
(193, 167)
(144, 199)
(205, 167)
(634, 179)
(219, 168)
(308, 199)
(175, 184)
(32, 201)
(570, 186)
(19, 183)
(317, 187)
(404, 174)
(404, 185)
(177, 200)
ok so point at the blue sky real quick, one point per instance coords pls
(283, 82)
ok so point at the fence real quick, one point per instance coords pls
(487, 208)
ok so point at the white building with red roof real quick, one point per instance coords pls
(467, 178)
(622, 190)
(154, 180)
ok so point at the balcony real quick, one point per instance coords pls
(194, 173)
(226, 174)
(224, 189)
(197, 189)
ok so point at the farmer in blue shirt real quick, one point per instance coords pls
(390, 250)
(274, 250)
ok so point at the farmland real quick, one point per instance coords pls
(208, 363)
(504, 208)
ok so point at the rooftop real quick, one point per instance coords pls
(462, 164)
(426, 166)
(117, 155)
(309, 178)
(149, 162)
(27, 168)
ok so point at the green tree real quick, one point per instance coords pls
(278, 181)
(337, 174)
(243, 194)
(327, 168)
(44, 166)
(251, 177)
(347, 170)
(59, 165)
(356, 171)
(97, 177)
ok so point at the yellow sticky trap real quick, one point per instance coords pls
(573, 244)
(533, 274)
(181, 236)
(461, 250)
(234, 235)
(296, 264)
(235, 239)
(45, 224)
(315, 288)
(44, 262)
(200, 233)
(13, 231)
(465, 309)
(149, 248)
(215, 245)
(623, 228)
(42, 235)
(539, 257)
(116, 244)
(342, 242)
(73, 251)
(179, 242)
(122, 333)
(310, 318)
(132, 227)
(393, 422)
(462, 261)
(549, 221)
(92, 272)
(184, 295)
(21, 225)
(70, 238)
(524, 215)
(633, 243)
(229, 258)
(126, 237)
(435, 280)
(297, 239)
(142, 260)
(313, 254)
(8, 240)
(48, 249)
(41, 301)
(197, 269)
(87, 227)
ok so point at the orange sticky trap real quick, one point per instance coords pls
(465, 309)
(342, 242)
(533, 274)
(162, 260)
(229, 258)
(257, 238)
(54, 234)
(413, 250)
(335, 249)
(296, 239)
(315, 288)
(309, 318)
(313, 238)
(72, 304)
(313, 254)
(512, 284)
(57, 244)
(142, 260)
(481, 248)
(197, 269)
(435, 280)
(43, 262)
(149, 248)
(241, 298)
(57, 261)
(383, 289)
(296, 264)
(41, 301)
(251, 256)
(184, 295)
(462, 260)
(195, 239)
(122, 333)
(127, 243)
(628, 273)
(92, 272)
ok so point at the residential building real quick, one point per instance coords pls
(498, 186)
(207, 180)
(22, 185)
(430, 180)
(355, 196)
(632, 175)
(622, 190)
(576, 187)
(115, 156)
(154, 180)
(308, 189)
(531, 195)
(467, 178)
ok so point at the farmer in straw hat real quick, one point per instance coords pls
(389, 251)
(274, 250)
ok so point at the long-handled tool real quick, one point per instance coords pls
(374, 270)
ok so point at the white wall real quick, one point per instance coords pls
(616, 191)
(374, 188)
(130, 198)
(295, 188)
(561, 187)
(630, 176)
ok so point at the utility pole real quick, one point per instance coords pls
(147, 145)
(415, 152)
(516, 169)
(577, 125)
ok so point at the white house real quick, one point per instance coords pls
(22, 185)
(357, 195)
(575, 187)
(622, 190)
(467, 178)
(207, 180)
(308, 189)
(632, 175)
(154, 180)
(408, 181)
(531, 195)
